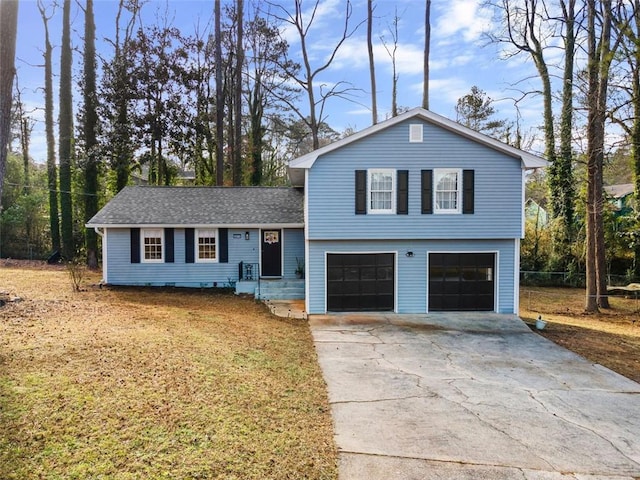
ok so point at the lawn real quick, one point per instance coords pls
(128, 383)
(610, 338)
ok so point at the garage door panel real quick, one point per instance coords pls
(360, 282)
(461, 281)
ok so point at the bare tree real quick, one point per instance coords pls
(427, 48)
(372, 68)
(298, 20)
(9, 27)
(530, 28)
(392, 51)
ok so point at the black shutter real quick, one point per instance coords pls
(223, 239)
(427, 191)
(468, 191)
(361, 192)
(402, 207)
(135, 245)
(189, 245)
(168, 240)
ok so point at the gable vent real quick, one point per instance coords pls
(415, 133)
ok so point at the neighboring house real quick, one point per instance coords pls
(535, 213)
(621, 196)
(412, 215)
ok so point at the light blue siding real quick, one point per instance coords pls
(412, 272)
(498, 188)
(120, 270)
(294, 249)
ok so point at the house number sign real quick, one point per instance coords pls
(271, 236)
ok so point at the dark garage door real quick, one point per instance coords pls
(461, 282)
(360, 282)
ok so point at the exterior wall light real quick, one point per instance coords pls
(409, 254)
(246, 235)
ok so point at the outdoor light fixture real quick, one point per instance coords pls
(409, 254)
(246, 235)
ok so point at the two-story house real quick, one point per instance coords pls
(415, 214)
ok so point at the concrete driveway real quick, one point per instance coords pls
(471, 396)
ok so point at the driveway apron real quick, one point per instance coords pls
(471, 396)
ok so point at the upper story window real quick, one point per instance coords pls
(152, 241)
(206, 245)
(381, 191)
(447, 194)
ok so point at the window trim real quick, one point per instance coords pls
(146, 233)
(394, 191)
(437, 174)
(196, 239)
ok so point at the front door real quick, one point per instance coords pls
(271, 253)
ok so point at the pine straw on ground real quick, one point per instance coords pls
(610, 338)
(128, 383)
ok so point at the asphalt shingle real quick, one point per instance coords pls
(146, 205)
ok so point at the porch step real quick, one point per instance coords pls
(285, 289)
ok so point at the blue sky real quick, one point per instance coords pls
(461, 56)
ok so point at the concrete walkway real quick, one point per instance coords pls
(471, 396)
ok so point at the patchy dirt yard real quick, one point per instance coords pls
(141, 383)
(610, 338)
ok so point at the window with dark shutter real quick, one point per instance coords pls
(402, 207)
(189, 245)
(168, 239)
(223, 239)
(135, 245)
(468, 200)
(427, 191)
(361, 192)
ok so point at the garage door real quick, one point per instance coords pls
(461, 282)
(360, 282)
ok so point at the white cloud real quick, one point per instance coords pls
(464, 18)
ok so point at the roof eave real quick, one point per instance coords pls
(194, 225)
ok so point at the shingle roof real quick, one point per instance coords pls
(146, 205)
(619, 191)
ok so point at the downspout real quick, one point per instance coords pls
(102, 233)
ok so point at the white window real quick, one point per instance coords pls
(206, 245)
(382, 197)
(152, 241)
(447, 192)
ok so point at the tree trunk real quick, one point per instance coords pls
(599, 60)
(237, 160)
(219, 97)
(9, 27)
(372, 68)
(52, 170)
(635, 133)
(564, 161)
(65, 135)
(90, 142)
(427, 48)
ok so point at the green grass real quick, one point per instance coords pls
(135, 383)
